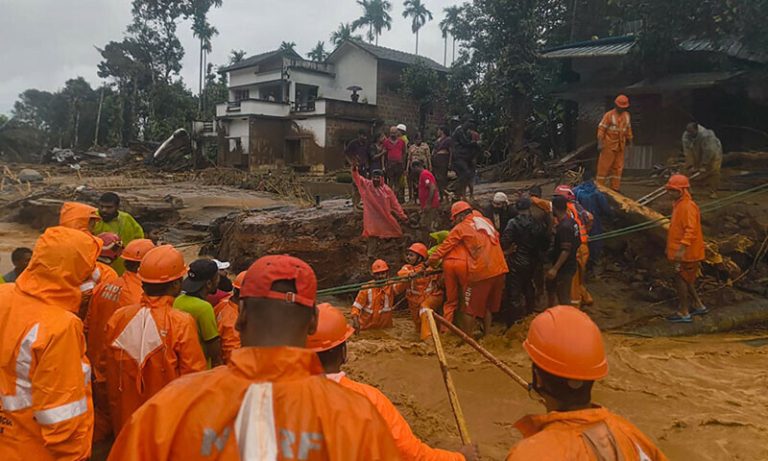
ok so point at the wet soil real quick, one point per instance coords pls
(698, 398)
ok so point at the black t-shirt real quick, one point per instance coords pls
(566, 231)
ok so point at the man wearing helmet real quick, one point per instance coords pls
(422, 292)
(613, 134)
(568, 356)
(375, 302)
(685, 248)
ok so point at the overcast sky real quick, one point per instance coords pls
(45, 42)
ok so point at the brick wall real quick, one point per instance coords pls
(338, 133)
(394, 108)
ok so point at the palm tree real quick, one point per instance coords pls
(449, 23)
(344, 32)
(375, 16)
(288, 46)
(318, 53)
(444, 29)
(236, 56)
(419, 13)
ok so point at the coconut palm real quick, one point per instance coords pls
(344, 32)
(448, 26)
(375, 16)
(318, 53)
(288, 46)
(236, 56)
(419, 14)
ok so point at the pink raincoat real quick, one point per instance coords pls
(378, 205)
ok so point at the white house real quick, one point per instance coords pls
(285, 110)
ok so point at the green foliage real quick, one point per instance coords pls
(236, 56)
(375, 16)
(344, 32)
(318, 53)
(419, 14)
(423, 85)
(288, 46)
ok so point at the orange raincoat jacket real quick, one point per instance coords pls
(421, 293)
(481, 240)
(374, 306)
(150, 345)
(76, 215)
(582, 435)
(107, 299)
(46, 412)
(378, 205)
(410, 447)
(685, 229)
(267, 403)
(226, 313)
(614, 130)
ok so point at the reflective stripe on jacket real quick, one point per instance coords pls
(614, 130)
(45, 377)
(266, 404)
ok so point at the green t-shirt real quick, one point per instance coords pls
(202, 311)
(124, 226)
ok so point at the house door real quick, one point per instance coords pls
(293, 151)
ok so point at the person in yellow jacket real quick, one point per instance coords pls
(330, 343)
(118, 222)
(46, 411)
(568, 356)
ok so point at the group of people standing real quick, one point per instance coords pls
(400, 159)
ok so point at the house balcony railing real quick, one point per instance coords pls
(311, 66)
(253, 107)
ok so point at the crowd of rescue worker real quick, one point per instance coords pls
(107, 334)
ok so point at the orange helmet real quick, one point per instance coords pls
(162, 264)
(332, 329)
(678, 182)
(112, 245)
(622, 101)
(136, 250)
(379, 266)
(238, 283)
(565, 342)
(420, 249)
(458, 208)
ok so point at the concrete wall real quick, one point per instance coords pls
(267, 143)
(247, 76)
(353, 67)
(316, 126)
(238, 128)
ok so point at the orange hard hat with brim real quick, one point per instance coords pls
(565, 342)
(137, 249)
(622, 101)
(332, 329)
(162, 264)
(420, 249)
(678, 182)
(459, 207)
(379, 266)
(238, 283)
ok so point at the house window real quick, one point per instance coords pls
(242, 94)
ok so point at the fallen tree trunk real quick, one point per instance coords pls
(637, 214)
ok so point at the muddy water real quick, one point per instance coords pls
(701, 398)
(13, 235)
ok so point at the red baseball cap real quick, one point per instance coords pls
(270, 269)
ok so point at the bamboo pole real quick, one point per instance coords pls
(452, 396)
(484, 352)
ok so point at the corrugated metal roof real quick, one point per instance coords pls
(682, 81)
(590, 51)
(731, 47)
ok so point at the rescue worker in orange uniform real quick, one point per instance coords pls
(568, 356)
(374, 303)
(486, 264)
(46, 412)
(330, 344)
(613, 134)
(106, 300)
(455, 264)
(226, 312)
(579, 293)
(685, 248)
(272, 400)
(82, 217)
(150, 343)
(421, 292)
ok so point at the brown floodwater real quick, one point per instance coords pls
(700, 398)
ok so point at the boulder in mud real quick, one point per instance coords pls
(30, 175)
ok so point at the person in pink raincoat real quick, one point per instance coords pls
(381, 210)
